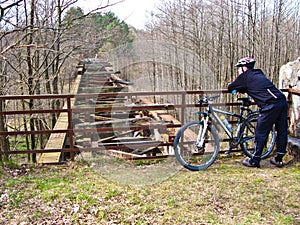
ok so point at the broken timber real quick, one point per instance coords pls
(122, 127)
(113, 124)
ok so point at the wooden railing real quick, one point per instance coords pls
(183, 105)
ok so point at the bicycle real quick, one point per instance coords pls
(197, 143)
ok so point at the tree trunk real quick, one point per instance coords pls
(4, 141)
(31, 76)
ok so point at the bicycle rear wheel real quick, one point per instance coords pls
(248, 138)
(185, 146)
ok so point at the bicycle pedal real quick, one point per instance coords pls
(228, 152)
(200, 150)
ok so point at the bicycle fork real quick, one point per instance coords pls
(235, 140)
(201, 134)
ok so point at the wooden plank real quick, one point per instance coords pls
(122, 154)
(96, 73)
(118, 81)
(103, 89)
(101, 118)
(125, 140)
(114, 136)
(163, 115)
(147, 151)
(57, 140)
(133, 107)
(133, 144)
(114, 121)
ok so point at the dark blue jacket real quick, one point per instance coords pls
(258, 86)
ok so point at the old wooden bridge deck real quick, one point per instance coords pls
(124, 126)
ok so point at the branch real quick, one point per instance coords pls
(7, 7)
(103, 7)
(19, 46)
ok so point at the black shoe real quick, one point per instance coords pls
(274, 162)
(248, 162)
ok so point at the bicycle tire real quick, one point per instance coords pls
(186, 152)
(248, 138)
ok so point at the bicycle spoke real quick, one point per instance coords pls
(189, 154)
(248, 138)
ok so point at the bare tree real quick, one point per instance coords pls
(39, 48)
(7, 7)
(220, 32)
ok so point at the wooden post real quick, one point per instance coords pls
(183, 105)
(70, 128)
(290, 103)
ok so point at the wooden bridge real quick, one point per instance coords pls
(120, 124)
(102, 115)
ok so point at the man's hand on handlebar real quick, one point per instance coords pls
(234, 92)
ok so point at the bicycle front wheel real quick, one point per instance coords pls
(187, 150)
(248, 138)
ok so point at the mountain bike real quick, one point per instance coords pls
(197, 143)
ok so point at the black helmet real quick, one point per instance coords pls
(247, 61)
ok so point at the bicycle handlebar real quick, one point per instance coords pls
(211, 98)
(207, 98)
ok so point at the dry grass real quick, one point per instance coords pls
(226, 193)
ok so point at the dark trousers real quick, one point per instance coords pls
(269, 115)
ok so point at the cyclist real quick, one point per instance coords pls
(273, 109)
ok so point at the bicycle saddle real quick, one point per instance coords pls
(246, 101)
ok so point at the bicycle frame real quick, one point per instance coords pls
(212, 114)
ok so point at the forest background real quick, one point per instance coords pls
(195, 44)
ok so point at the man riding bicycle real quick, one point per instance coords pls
(273, 109)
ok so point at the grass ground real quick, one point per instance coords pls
(81, 193)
